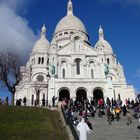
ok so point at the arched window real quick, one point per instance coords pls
(91, 64)
(32, 101)
(107, 60)
(48, 61)
(42, 60)
(34, 60)
(76, 37)
(39, 60)
(63, 73)
(92, 73)
(77, 61)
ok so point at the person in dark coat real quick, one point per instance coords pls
(24, 101)
(124, 110)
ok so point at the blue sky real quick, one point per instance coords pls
(21, 21)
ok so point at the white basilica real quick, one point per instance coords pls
(69, 67)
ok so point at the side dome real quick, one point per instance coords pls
(103, 43)
(70, 22)
(42, 45)
(106, 46)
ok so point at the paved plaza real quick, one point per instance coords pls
(102, 130)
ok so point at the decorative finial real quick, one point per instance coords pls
(101, 33)
(70, 8)
(119, 63)
(43, 31)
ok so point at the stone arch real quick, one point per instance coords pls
(63, 69)
(113, 77)
(63, 60)
(91, 60)
(81, 93)
(98, 93)
(79, 35)
(63, 93)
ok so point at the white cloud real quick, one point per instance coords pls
(16, 4)
(122, 2)
(15, 34)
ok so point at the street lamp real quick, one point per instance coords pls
(114, 94)
(48, 77)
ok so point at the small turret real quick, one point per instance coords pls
(70, 8)
(101, 33)
(121, 73)
(42, 45)
(102, 45)
(39, 56)
(43, 31)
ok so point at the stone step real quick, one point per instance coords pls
(102, 130)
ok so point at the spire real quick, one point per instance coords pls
(43, 31)
(70, 8)
(101, 33)
(119, 63)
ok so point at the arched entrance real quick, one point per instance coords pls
(81, 94)
(64, 94)
(98, 94)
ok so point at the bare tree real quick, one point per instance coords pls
(37, 89)
(10, 71)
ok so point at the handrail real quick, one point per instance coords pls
(68, 122)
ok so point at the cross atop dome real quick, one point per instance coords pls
(70, 8)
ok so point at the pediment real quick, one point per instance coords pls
(77, 48)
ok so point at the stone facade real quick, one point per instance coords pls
(70, 67)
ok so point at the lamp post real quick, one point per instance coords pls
(114, 94)
(48, 77)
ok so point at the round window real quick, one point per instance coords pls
(40, 78)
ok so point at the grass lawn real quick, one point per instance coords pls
(30, 123)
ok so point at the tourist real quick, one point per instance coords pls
(109, 116)
(83, 128)
(129, 118)
(6, 100)
(100, 113)
(108, 102)
(124, 110)
(35, 103)
(53, 101)
(0, 101)
(117, 110)
(43, 102)
(88, 123)
(112, 113)
(20, 101)
(24, 101)
(139, 122)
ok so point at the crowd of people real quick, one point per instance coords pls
(112, 109)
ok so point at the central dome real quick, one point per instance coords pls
(70, 22)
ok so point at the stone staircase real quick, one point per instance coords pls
(102, 130)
